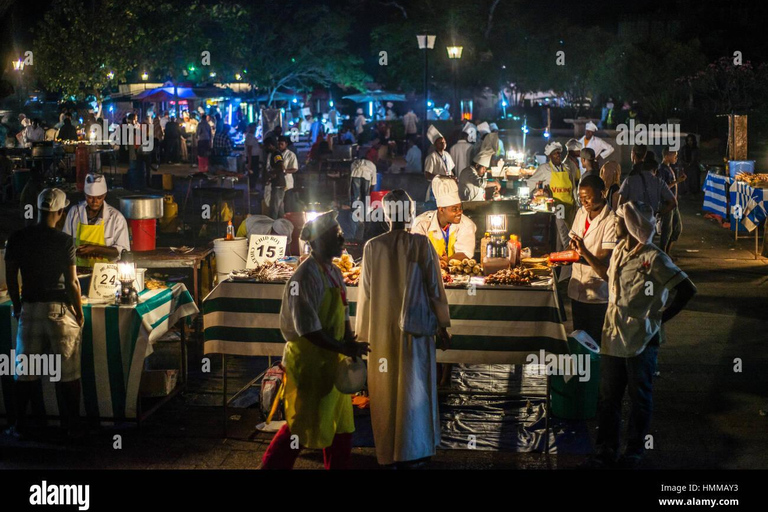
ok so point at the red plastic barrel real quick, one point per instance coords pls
(143, 234)
(376, 197)
(81, 165)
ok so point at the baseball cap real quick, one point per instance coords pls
(52, 200)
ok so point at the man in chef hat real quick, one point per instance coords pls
(471, 131)
(263, 225)
(557, 181)
(314, 320)
(439, 161)
(100, 231)
(473, 180)
(451, 233)
(629, 347)
(601, 148)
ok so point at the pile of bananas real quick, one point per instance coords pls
(753, 180)
(466, 266)
(517, 276)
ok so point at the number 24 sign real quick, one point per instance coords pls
(265, 249)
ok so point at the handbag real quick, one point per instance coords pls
(416, 315)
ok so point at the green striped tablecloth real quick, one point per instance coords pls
(115, 342)
(496, 325)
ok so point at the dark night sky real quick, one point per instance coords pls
(722, 26)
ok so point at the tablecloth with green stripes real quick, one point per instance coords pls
(492, 325)
(115, 342)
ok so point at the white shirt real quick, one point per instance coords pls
(115, 226)
(638, 289)
(252, 143)
(32, 134)
(164, 121)
(586, 285)
(601, 148)
(299, 311)
(305, 126)
(460, 152)
(289, 162)
(439, 165)
(413, 160)
(364, 168)
(464, 231)
(359, 123)
(409, 121)
(544, 174)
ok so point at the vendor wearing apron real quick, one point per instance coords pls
(451, 233)
(554, 176)
(100, 231)
(438, 162)
(314, 319)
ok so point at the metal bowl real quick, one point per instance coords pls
(142, 207)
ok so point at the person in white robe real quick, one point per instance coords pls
(402, 311)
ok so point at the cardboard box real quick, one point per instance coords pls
(158, 383)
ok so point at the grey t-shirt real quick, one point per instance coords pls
(646, 188)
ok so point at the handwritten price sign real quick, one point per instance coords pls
(265, 249)
(104, 282)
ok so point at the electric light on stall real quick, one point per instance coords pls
(145, 76)
(126, 273)
(496, 223)
(18, 65)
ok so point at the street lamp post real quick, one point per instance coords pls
(426, 42)
(454, 53)
(18, 66)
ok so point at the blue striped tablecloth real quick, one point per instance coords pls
(722, 194)
(115, 342)
(715, 198)
(496, 325)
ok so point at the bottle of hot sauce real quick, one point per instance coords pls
(230, 231)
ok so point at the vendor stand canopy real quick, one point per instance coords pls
(165, 94)
(377, 95)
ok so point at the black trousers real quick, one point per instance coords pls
(589, 318)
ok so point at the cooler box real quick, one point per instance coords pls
(739, 166)
(376, 197)
(577, 400)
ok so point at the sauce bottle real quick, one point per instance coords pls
(230, 231)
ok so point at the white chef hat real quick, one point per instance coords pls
(446, 191)
(493, 127)
(359, 111)
(313, 229)
(390, 104)
(306, 111)
(591, 127)
(552, 147)
(639, 219)
(483, 127)
(433, 134)
(471, 131)
(573, 145)
(484, 157)
(95, 185)
(283, 227)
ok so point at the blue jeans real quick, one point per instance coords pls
(635, 374)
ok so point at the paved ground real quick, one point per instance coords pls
(706, 414)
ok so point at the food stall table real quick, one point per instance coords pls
(495, 325)
(165, 258)
(115, 342)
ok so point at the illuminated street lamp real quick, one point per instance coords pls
(110, 75)
(18, 65)
(454, 53)
(145, 76)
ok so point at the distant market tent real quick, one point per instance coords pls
(377, 95)
(165, 94)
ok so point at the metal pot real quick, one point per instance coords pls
(142, 207)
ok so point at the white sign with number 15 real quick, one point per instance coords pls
(265, 249)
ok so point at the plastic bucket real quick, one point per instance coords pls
(143, 234)
(230, 255)
(737, 166)
(577, 400)
(20, 179)
(376, 197)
